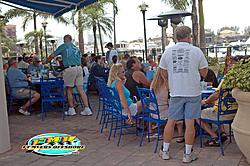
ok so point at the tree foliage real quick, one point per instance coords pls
(5, 49)
(232, 28)
(246, 31)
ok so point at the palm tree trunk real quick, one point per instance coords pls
(36, 39)
(114, 12)
(95, 41)
(202, 38)
(81, 42)
(100, 35)
(194, 24)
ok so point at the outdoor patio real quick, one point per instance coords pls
(100, 151)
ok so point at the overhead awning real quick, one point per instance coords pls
(55, 7)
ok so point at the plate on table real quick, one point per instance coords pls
(207, 91)
(209, 86)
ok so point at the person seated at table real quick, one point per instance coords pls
(143, 67)
(210, 78)
(124, 60)
(21, 63)
(35, 66)
(29, 61)
(5, 66)
(161, 89)
(18, 79)
(212, 112)
(134, 76)
(96, 66)
(114, 61)
(85, 75)
(116, 80)
(151, 62)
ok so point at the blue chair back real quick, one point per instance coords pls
(227, 104)
(149, 101)
(52, 87)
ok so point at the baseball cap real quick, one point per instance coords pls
(5, 62)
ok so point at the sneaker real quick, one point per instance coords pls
(86, 111)
(164, 155)
(26, 113)
(187, 158)
(70, 112)
(154, 126)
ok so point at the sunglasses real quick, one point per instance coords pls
(38, 61)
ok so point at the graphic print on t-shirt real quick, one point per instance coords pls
(72, 52)
(180, 59)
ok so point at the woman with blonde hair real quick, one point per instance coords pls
(161, 89)
(117, 80)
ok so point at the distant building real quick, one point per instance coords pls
(11, 31)
(158, 39)
(230, 36)
(209, 38)
(91, 38)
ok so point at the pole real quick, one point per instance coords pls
(145, 38)
(45, 42)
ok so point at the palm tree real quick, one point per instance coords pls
(182, 4)
(29, 15)
(80, 26)
(33, 35)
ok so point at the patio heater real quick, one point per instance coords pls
(163, 23)
(44, 23)
(175, 17)
(143, 8)
(53, 41)
(21, 44)
(4, 130)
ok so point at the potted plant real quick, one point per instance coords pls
(213, 64)
(238, 78)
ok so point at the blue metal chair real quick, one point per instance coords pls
(219, 78)
(100, 80)
(111, 97)
(18, 98)
(225, 104)
(52, 90)
(150, 106)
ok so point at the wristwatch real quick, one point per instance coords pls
(205, 101)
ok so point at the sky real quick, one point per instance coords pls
(129, 21)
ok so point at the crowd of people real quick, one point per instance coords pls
(176, 82)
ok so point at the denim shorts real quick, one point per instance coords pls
(185, 107)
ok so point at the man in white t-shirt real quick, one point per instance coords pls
(182, 65)
(110, 53)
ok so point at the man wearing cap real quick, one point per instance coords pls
(110, 53)
(18, 79)
(73, 73)
(212, 112)
(35, 66)
(5, 66)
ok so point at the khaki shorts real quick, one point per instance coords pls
(73, 76)
(211, 114)
(24, 92)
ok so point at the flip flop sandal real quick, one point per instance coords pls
(154, 136)
(211, 143)
(223, 138)
(180, 141)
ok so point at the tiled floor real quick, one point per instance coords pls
(100, 151)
